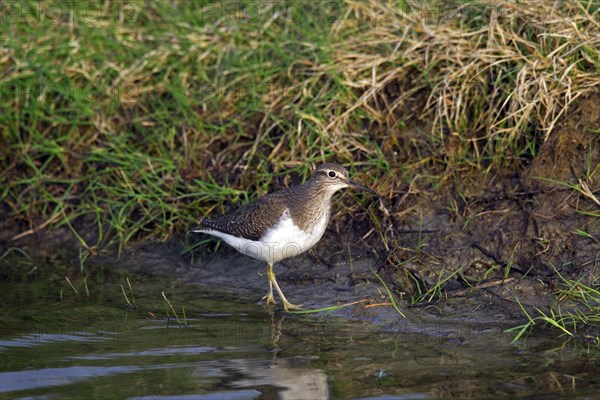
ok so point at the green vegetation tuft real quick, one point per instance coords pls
(576, 312)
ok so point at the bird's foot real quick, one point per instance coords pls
(287, 306)
(269, 299)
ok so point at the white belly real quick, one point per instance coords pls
(283, 240)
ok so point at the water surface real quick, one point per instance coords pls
(58, 344)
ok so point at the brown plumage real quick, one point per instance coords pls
(306, 203)
(252, 220)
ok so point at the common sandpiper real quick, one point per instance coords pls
(282, 224)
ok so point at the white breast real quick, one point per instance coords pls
(285, 239)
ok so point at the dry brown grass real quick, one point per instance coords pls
(490, 85)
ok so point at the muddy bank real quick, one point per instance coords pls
(515, 234)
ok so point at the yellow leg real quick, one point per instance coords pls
(273, 282)
(269, 296)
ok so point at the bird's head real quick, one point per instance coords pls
(333, 177)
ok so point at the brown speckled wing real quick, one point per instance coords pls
(252, 220)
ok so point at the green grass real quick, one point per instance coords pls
(575, 312)
(325, 310)
(390, 295)
(170, 307)
(436, 291)
(129, 132)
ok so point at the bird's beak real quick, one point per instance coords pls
(361, 187)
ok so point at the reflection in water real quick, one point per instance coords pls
(241, 351)
(286, 377)
(282, 378)
(297, 382)
(289, 378)
(35, 339)
(42, 378)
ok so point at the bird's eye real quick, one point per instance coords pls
(331, 174)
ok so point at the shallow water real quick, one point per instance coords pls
(58, 344)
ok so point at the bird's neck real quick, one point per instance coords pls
(309, 204)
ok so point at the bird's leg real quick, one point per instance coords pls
(272, 280)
